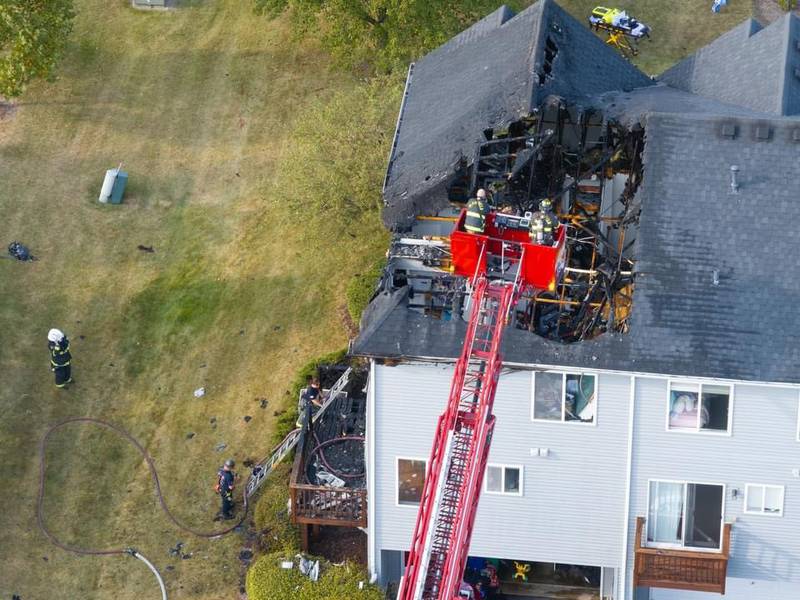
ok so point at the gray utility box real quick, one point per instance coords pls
(113, 186)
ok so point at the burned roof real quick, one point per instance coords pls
(751, 66)
(717, 280)
(494, 73)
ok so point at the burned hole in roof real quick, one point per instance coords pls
(590, 168)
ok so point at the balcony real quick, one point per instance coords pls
(328, 485)
(681, 569)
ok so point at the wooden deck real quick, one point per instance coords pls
(681, 569)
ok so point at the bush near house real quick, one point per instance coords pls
(271, 514)
(287, 420)
(361, 288)
(266, 580)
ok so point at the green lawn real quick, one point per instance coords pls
(679, 26)
(213, 113)
(199, 104)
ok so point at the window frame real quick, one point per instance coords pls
(563, 420)
(503, 466)
(763, 512)
(683, 546)
(397, 459)
(698, 430)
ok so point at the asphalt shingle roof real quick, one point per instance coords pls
(744, 328)
(488, 77)
(726, 105)
(750, 66)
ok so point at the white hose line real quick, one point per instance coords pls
(136, 554)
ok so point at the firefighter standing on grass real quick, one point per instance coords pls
(477, 209)
(60, 357)
(224, 487)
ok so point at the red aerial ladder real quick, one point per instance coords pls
(442, 533)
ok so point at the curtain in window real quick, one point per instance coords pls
(664, 522)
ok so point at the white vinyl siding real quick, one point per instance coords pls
(580, 481)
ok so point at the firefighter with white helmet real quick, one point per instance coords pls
(60, 357)
(477, 210)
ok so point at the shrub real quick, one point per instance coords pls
(360, 289)
(288, 419)
(340, 144)
(271, 513)
(266, 580)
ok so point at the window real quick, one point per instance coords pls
(685, 515)
(502, 479)
(564, 397)
(410, 480)
(710, 414)
(763, 499)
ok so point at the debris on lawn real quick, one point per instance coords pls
(246, 555)
(145, 248)
(220, 447)
(190, 435)
(247, 418)
(20, 252)
(200, 392)
(176, 551)
(308, 568)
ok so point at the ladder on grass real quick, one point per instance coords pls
(263, 469)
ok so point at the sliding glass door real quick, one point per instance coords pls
(685, 514)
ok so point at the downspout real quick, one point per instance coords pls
(623, 579)
(371, 559)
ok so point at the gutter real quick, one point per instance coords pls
(545, 367)
(397, 128)
(623, 578)
(371, 558)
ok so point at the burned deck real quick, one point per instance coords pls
(328, 480)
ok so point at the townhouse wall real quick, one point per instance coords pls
(572, 505)
(762, 448)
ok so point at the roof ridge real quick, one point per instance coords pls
(783, 96)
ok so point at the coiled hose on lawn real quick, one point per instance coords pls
(153, 473)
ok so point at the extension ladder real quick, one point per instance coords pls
(458, 458)
(263, 469)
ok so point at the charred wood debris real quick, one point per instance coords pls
(591, 168)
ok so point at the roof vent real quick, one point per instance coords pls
(734, 181)
(762, 133)
(797, 45)
(796, 135)
(797, 72)
(728, 130)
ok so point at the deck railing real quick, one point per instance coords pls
(681, 569)
(320, 505)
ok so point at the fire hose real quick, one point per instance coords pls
(153, 474)
(321, 445)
